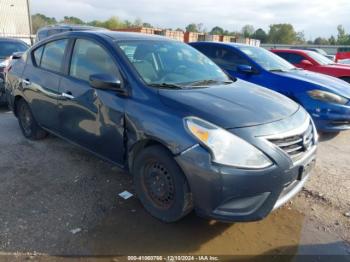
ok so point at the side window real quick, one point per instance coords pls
(228, 59)
(37, 55)
(295, 58)
(285, 56)
(206, 50)
(53, 55)
(89, 58)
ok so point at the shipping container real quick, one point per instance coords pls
(248, 41)
(243, 40)
(225, 38)
(254, 42)
(191, 37)
(233, 39)
(143, 30)
(176, 35)
(202, 37)
(212, 38)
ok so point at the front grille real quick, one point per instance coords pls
(296, 145)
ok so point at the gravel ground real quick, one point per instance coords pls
(326, 196)
(57, 199)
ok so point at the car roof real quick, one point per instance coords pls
(227, 44)
(295, 51)
(68, 26)
(115, 35)
(134, 36)
(221, 43)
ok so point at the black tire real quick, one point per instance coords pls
(27, 123)
(161, 185)
(346, 79)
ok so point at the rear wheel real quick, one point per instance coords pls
(29, 126)
(161, 185)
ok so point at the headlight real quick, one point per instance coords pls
(328, 97)
(226, 148)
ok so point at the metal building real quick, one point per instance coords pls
(15, 19)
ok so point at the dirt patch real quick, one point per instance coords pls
(50, 189)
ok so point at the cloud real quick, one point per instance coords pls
(314, 17)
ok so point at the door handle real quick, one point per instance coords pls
(26, 82)
(68, 95)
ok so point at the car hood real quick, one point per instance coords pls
(325, 82)
(239, 104)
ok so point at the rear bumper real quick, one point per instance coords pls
(230, 194)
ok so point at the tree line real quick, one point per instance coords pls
(276, 34)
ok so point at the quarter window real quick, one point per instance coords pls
(89, 58)
(37, 55)
(53, 55)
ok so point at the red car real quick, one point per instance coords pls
(342, 54)
(315, 62)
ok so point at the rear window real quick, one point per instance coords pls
(344, 49)
(7, 48)
(42, 35)
(55, 31)
(291, 57)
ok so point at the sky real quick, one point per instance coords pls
(314, 17)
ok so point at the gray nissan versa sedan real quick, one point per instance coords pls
(191, 137)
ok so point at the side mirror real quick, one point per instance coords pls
(306, 63)
(245, 69)
(17, 55)
(106, 82)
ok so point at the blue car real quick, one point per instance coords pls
(191, 137)
(325, 98)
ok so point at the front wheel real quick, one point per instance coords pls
(29, 126)
(161, 185)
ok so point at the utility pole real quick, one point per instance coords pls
(30, 22)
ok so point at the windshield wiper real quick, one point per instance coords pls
(166, 85)
(208, 82)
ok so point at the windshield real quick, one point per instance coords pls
(322, 60)
(166, 63)
(7, 48)
(266, 59)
